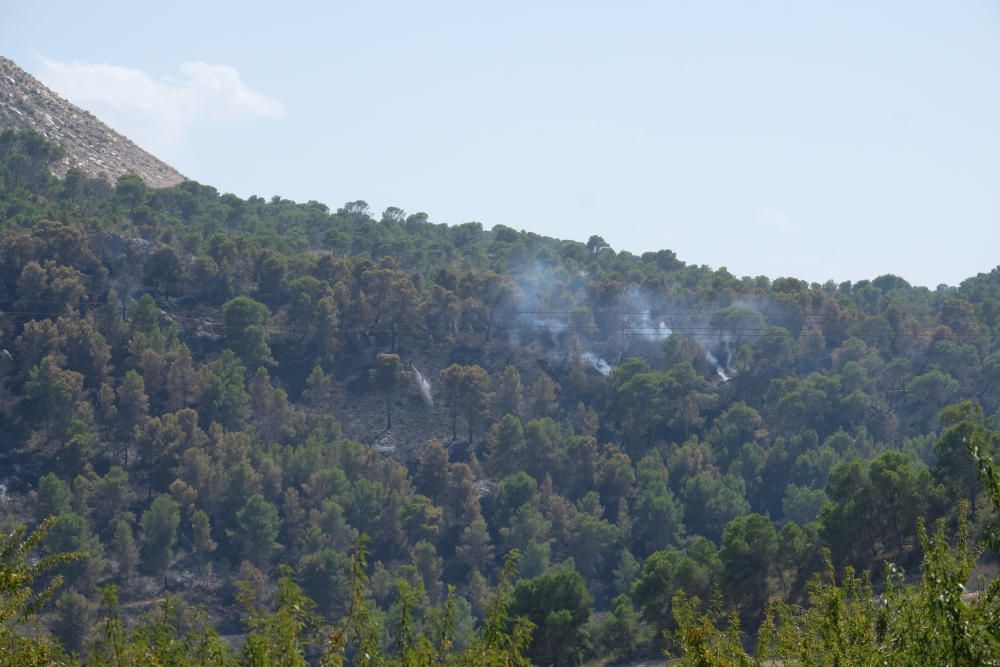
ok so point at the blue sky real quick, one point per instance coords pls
(840, 141)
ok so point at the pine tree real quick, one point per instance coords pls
(159, 532)
(201, 534)
(124, 550)
(73, 619)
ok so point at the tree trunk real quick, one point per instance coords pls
(388, 411)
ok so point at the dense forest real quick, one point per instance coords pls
(261, 432)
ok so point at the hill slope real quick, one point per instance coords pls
(200, 389)
(91, 146)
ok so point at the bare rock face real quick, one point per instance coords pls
(90, 145)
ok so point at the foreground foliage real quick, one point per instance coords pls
(933, 621)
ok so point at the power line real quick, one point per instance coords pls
(644, 328)
(25, 317)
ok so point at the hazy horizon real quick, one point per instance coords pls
(836, 143)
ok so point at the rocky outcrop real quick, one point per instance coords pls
(90, 145)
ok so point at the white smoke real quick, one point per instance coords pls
(424, 385)
(599, 365)
(718, 367)
(652, 329)
(632, 323)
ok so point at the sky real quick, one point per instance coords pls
(818, 140)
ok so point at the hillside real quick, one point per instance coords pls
(89, 145)
(334, 432)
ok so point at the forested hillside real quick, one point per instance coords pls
(271, 428)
